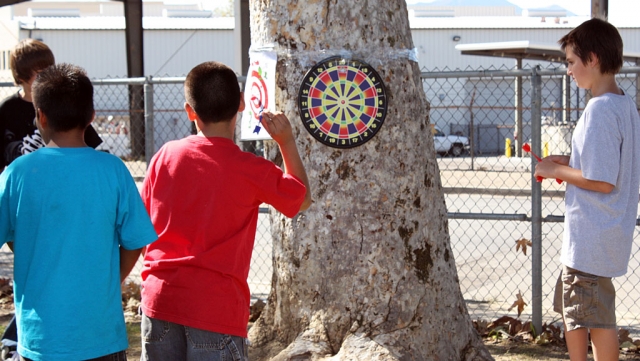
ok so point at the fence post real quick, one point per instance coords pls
(519, 131)
(638, 87)
(148, 120)
(536, 203)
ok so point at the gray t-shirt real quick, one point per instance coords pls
(599, 227)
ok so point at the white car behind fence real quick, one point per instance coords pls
(454, 145)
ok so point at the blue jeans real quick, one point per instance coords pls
(118, 356)
(168, 341)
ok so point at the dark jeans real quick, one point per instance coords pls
(118, 356)
(168, 341)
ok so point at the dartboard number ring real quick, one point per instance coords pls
(342, 102)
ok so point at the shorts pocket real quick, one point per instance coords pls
(580, 294)
(153, 330)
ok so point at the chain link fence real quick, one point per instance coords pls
(495, 207)
(506, 228)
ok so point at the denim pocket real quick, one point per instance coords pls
(217, 346)
(580, 294)
(153, 330)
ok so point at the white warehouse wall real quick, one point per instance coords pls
(171, 52)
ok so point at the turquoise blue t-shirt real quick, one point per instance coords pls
(68, 210)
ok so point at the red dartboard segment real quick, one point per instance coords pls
(342, 102)
(325, 78)
(315, 93)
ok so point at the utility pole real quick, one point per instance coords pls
(242, 35)
(135, 69)
(600, 9)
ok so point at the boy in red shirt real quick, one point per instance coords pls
(203, 195)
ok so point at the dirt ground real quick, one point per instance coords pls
(506, 350)
(501, 350)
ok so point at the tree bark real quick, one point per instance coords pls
(366, 273)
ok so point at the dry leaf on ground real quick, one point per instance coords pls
(523, 243)
(518, 303)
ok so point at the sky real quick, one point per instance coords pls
(581, 7)
(578, 7)
(619, 10)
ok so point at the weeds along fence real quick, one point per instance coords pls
(506, 228)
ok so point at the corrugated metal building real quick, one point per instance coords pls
(436, 37)
(173, 45)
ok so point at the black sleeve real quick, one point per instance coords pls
(12, 151)
(3, 145)
(12, 147)
(91, 137)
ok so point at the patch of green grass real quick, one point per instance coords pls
(4, 322)
(133, 334)
(133, 331)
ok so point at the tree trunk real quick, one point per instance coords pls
(367, 272)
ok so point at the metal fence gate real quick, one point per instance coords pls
(494, 203)
(492, 200)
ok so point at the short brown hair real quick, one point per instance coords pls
(213, 91)
(27, 57)
(598, 37)
(64, 93)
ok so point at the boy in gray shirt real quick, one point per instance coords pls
(603, 176)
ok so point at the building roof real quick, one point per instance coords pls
(158, 22)
(118, 23)
(495, 22)
(452, 4)
(466, 3)
(526, 50)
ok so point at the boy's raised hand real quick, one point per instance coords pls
(278, 126)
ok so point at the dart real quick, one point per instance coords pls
(527, 149)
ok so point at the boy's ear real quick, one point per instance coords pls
(593, 60)
(242, 105)
(41, 119)
(191, 114)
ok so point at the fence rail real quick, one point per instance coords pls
(493, 200)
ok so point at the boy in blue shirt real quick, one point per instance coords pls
(78, 224)
(601, 200)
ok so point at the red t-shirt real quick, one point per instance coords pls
(203, 196)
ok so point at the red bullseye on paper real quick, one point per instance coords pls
(259, 100)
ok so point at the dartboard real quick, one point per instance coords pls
(342, 102)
